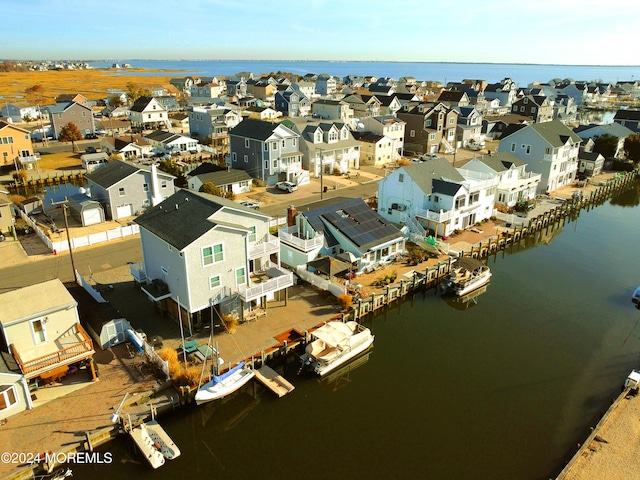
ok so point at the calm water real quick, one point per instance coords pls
(522, 74)
(503, 389)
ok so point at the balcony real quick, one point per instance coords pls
(137, 271)
(439, 217)
(67, 349)
(290, 236)
(271, 279)
(265, 247)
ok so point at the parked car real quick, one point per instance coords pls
(287, 186)
(248, 204)
(473, 145)
(91, 136)
(91, 150)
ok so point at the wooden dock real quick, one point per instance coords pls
(274, 381)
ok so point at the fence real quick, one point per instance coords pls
(319, 282)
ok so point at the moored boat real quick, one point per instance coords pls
(466, 275)
(222, 385)
(635, 298)
(334, 344)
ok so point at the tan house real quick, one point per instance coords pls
(41, 330)
(16, 148)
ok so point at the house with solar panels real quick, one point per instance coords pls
(340, 227)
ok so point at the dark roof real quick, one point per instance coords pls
(450, 96)
(356, 220)
(112, 173)
(627, 115)
(252, 128)
(184, 217)
(224, 177)
(205, 167)
(140, 104)
(367, 137)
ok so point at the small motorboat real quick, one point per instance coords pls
(635, 298)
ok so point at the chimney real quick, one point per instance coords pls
(291, 216)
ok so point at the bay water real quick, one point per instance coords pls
(504, 387)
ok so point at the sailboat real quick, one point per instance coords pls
(222, 385)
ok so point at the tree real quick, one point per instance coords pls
(134, 92)
(211, 189)
(606, 145)
(115, 101)
(632, 147)
(70, 133)
(36, 93)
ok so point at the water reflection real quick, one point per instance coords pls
(464, 302)
(627, 198)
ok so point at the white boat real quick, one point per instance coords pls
(154, 443)
(222, 385)
(635, 298)
(334, 344)
(466, 275)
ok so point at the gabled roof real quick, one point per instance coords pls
(119, 143)
(186, 216)
(141, 104)
(64, 106)
(256, 129)
(555, 132)
(224, 177)
(591, 156)
(367, 137)
(424, 174)
(499, 161)
(10, 125)
(163, 136)
(592, 130)
(27, 302)
(356, 220)
(451, 96)
(114, 172)
(627, 115)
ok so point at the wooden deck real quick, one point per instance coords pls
(274, 381)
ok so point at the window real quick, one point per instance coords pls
(211, 255)
(8, 397)
(427, 123)
(241, 277)
(121, 191)
(293, 141)
(274, 146)
(214, 282)
(246, 143)
(401, 177)
(412, 133)
(266, 147)
(252, 235)
(284, 144)
(513, 147)
(528, 149)
(246, 159)
(145, 187)
(163, 184)
(275, 164)
(39, 334)
(432, 136)
(234, 157)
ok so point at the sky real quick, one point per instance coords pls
(568, 32)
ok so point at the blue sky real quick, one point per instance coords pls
(546, 31)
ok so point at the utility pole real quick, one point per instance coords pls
(65, 206)
(321, 169)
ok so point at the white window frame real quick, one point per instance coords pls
(4, 390)
(36, 340)
(244, 274)
(213, 254)
(211, 282)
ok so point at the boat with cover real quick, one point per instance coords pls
(466, 275)
(222, 385)
(334, 344)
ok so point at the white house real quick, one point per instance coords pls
(147, 114)
(166, 142)
(515, 184)
(549, 148)
(388, 125)
(201, 251)
(434, 197)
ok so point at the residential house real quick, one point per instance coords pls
(184, 84)
(469, 126)
(429, 127)
(42, 332)
(207, 252)
(328, 146)
(506, 91)
(363, 108)
(113, 127)
(308, 89)
(125, 189)
(590, 164)
(494, 125)
(515, 184)
(236, 88)
(434, 197)
(388, 104)
(264, 88)
(211, 124)
(111, 112)
(179, 120)
(230, 181)
(147, 114)
(565, 109)
(128, 147)
(629, 119)
(72, 97)
(332, 109)
(338, 225)
(454, 98)
(549, 148)
(19, 112)
(63, 113)
(263, 113)
(16, 148)
(169, 102)
(326, 84)
(538, 108)
(381, 89)
(375, 150)
(292, 103)
(617, 130)
(6, 215)
(388, 126)
(166, 142)
(268, 151)
(15, 396)
(204, 92)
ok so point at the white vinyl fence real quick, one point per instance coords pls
(319, 282)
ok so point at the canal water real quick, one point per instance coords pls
(504, 387)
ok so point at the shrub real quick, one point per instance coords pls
(168, 354)
(230, 322)
(345, 301)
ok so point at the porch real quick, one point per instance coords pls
(270, 279)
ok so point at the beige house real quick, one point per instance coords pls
(41, 330)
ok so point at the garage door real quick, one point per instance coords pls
(91, 216)
(124, 211)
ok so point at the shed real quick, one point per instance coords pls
(91, 161)
(106, 326)
(85, 210)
